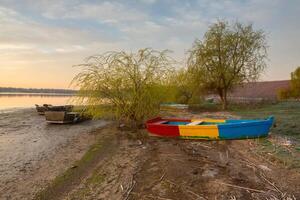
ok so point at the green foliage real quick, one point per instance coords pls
(227, 56)
(294, 90)
(283, 94)
(131, 86)
(295, 83)
(101, 146)
(186, 87)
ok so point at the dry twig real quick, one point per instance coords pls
(273, 185)
(240, 187)
(157, 197)
(162, 177)
(193, 193)
(130, 188)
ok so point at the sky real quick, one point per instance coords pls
(42, 40)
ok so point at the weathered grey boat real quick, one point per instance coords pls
(41, 109)
(62, 117)
(67, 108)
(48, 107)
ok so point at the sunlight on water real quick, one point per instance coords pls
(9, 101)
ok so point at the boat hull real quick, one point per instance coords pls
(210, 129)
(62, 117)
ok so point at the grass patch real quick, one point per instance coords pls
(95, 180)
(287, 115)
(277, 154)
(73, 175)
(205, 107)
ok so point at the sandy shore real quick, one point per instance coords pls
(33, 152)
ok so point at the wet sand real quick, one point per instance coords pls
(33, 152)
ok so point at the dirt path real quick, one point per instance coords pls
(33, 152)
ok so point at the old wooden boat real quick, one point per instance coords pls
(41, 109)
(62, 117)
(210, 129)
(48, 107)
(67, 108)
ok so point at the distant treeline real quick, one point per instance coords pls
(36, 90)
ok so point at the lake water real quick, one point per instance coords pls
(27, 100)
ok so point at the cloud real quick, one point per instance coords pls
(29, 47)
(14, 47)
(54, 35)
(20, 33)
(105, 12)
(148, 1)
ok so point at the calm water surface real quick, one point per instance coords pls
(21, 100)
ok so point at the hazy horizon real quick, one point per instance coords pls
(40, 41)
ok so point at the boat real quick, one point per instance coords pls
(67, 108)
(173, 106)
(48, 107)
(41, 109)
(62, 117)
(210, 129)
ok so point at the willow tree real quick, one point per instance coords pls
(227, 56)
(187, 86)
(130, 84)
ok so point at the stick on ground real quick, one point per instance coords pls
(241, 187)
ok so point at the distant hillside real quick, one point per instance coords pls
(255, 91)
(36, 90)
(263, 90)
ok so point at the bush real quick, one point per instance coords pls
(132, 86)
(283, 94)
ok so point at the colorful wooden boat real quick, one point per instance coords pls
(210, 129)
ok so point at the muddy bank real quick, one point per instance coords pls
(185, 169)
(107, 164)
(106, 174)
(176, 169)
(33, 152)
(170, 169)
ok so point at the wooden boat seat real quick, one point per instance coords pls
(161, 122)
(195, 123)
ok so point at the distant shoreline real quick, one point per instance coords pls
(36, 94)
(12, 90)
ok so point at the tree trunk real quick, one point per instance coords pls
(223, 97)
(225, 102)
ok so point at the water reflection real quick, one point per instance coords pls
(26, 100)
